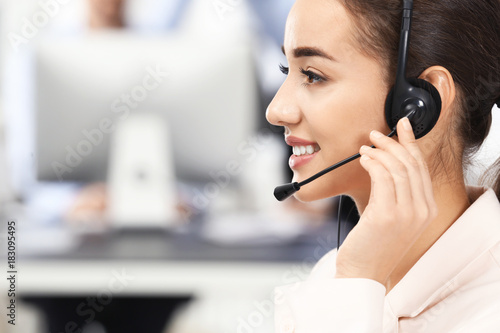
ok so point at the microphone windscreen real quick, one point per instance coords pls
(284, 191)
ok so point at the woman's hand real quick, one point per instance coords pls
(400, 208)
(89, 207)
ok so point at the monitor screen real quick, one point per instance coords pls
(206, 91)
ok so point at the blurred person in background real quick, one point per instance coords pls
(89, 205)
(105, 14)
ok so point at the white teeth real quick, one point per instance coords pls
(305, 150)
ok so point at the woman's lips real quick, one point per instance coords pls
(296, 162)
(303, 151)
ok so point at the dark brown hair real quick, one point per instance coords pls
(461, 35)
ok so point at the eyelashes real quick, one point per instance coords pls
(312, 77)
(284, 69)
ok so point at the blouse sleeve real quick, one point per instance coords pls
(330, 305)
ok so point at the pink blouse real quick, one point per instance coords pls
(454, 287)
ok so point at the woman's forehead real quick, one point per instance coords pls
(322, 24)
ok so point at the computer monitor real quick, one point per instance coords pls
(205, 89)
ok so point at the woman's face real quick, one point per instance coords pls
(332, 99)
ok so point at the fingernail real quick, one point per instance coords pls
(365, 158)
(376, 134)
(406, 124)
(364, 148)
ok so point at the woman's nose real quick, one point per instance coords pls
(283, 111)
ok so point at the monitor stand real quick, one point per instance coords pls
(141, 174)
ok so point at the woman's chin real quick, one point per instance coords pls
(306, 194)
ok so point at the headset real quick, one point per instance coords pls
(414, 98)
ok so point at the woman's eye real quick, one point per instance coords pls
(311, 76)
(284, 69)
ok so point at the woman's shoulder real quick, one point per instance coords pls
(479, 194)
(495, 253)
(484, 205)
(325, 267)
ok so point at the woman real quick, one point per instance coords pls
(425, 255)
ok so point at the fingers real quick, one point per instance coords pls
(400, 167)
(383, 193)
(387, 171)
(407, 140)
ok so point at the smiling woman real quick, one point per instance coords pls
(325, 76)
(425, 242)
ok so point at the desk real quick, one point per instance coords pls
(164, 265)
(168, 264)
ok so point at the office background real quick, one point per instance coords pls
(139, 168)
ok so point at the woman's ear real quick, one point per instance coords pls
(440, 147)
(443, 81)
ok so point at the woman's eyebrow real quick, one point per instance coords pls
(308, 51)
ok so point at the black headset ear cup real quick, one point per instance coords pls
(427, 86)
(421, 93)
